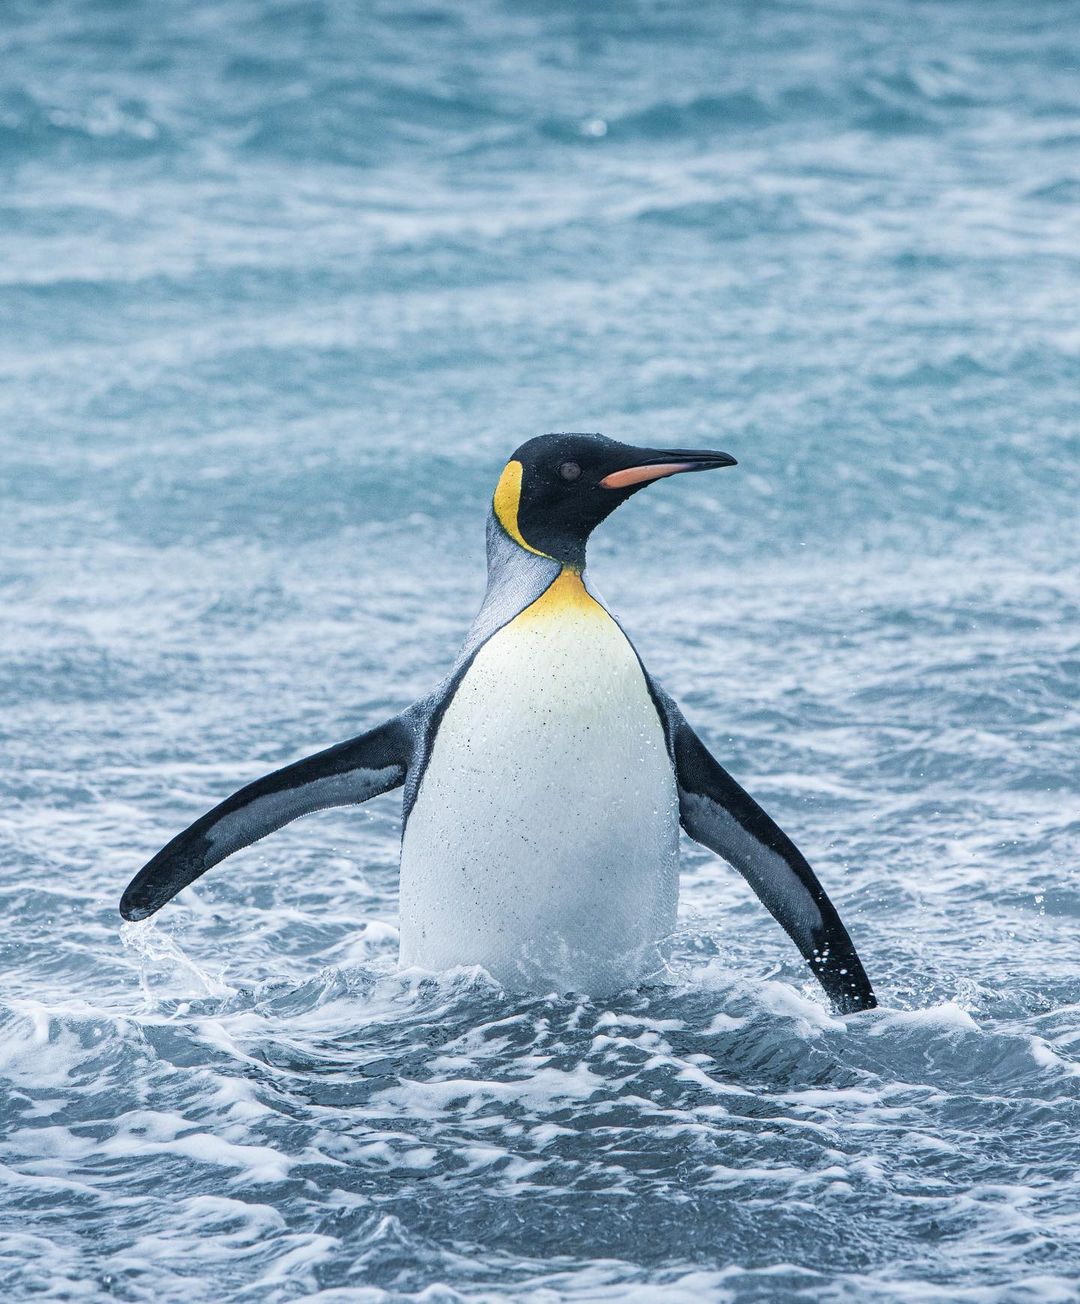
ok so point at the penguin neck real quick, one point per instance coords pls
(511, 566)
(517, 577)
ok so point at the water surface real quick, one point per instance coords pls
(282, 285)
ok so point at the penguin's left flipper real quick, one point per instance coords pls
(722, 816)
(344, 775)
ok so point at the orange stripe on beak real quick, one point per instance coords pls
(643, 474)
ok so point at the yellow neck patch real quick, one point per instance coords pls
(566, 596)
(506, 502)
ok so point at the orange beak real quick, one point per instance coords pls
(656, 464)
(643, 474)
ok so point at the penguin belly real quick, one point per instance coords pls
(543, 843)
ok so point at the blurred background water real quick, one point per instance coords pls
(282, 283)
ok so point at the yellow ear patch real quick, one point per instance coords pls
(506, 502)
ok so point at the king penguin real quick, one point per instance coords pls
(546, 779)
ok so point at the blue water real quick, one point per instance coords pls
(282, 285)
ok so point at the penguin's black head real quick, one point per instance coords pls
(556, 489)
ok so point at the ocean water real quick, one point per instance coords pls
(282, 282)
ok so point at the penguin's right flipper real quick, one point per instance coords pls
(722, 816)
(344, 775)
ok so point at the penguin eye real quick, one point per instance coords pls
(569, 470)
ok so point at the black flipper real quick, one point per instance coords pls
(719, 814)
(344, 775)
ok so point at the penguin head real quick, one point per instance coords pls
(556, 489)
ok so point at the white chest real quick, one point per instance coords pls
(543, 843)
